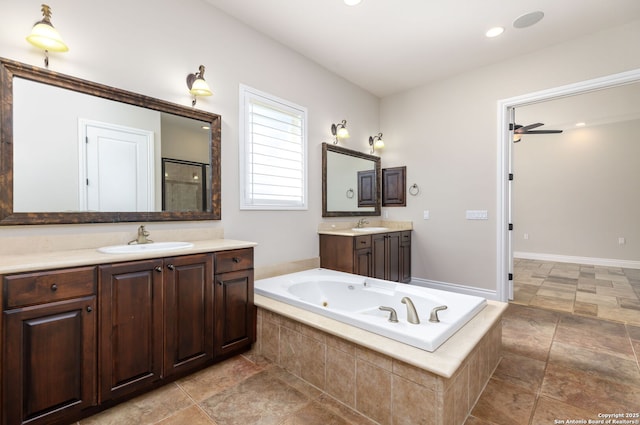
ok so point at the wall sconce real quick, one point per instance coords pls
(45, 36)
(339, 131)
(197, 85)
(376, 142)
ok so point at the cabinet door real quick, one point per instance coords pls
(131, 330)
(405, 256)
(362, 263)
(393, 261)
(379, 253)
(50, 361)
(235, 316)
(188, 312)
(386, 256)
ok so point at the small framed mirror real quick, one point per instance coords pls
(351, 183)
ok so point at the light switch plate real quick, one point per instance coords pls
(477, 215)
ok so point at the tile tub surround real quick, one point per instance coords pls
(391, 387)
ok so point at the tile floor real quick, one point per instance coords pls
(609, 293)
(564, 358)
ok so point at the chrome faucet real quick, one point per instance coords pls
(142, 237)
(412, 314)
(361, 223)
(434, 313)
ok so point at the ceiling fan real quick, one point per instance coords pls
(518, 130)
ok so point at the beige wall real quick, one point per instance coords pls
(446, 134)
(576, 193)
(149, 48)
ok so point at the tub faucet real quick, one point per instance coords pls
(142, 237)
(361, 223)
(434, 313)
(412, 314)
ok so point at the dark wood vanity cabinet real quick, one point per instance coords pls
(235, 319)
(380, 255)
(49, 345)
(89, 337)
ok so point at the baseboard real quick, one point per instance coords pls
(454, 287)
(607, 262)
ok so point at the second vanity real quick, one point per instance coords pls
(383, 252)
(83, 330)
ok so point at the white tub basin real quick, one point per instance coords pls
(148, 247)
(370, 229)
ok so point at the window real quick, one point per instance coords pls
(273, 152)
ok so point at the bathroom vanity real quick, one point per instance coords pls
(380, 254)
(82, 338)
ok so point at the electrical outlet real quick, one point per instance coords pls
(425, 214)
(526, 236)
(621, 241)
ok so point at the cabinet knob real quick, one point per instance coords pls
(236, 259)
(158, 269)
(171, 267)
(54, 287)
(89, 309)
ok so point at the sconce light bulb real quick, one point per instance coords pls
(343, 133)
(379, 144)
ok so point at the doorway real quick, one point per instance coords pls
(116, 168)
(506, 113)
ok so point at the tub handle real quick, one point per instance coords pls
(393, 316)
(434, 313)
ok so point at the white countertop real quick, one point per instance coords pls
(443, 362)
(89, 256)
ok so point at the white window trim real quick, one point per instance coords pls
(246, 94)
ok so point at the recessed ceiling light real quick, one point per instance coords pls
(352, 2)
(494, 32)
(581, 124)
(528, 19)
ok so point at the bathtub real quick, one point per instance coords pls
(355, 300)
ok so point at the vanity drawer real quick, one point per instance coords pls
(405, 238)
(44, 287)
(362, 242)
(237, 259)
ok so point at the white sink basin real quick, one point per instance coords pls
(147, 247)
(370, 229)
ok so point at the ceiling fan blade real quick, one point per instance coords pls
(542, 132)
(523, 130)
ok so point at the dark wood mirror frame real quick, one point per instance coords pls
(378, 182)
(10, 69)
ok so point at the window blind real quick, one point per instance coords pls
(274, 154)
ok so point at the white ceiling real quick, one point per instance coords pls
(387, 46)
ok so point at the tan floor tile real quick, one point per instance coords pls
(599, 300)
(585, 309)
(593, 334)
(546, 291)
(598, 364)
(504, 404)
(549, 411)
(146, 409)
(191, 415)
(552, 303)
(619, 314)
(259, 399)
(585, 391)
(519, 370)
(217, 378)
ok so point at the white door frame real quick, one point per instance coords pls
(505, 108)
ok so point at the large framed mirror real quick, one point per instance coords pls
(75, 151)
(351, 182)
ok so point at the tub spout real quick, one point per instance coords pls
(412, 314)
(434, 313)
(393, 317)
